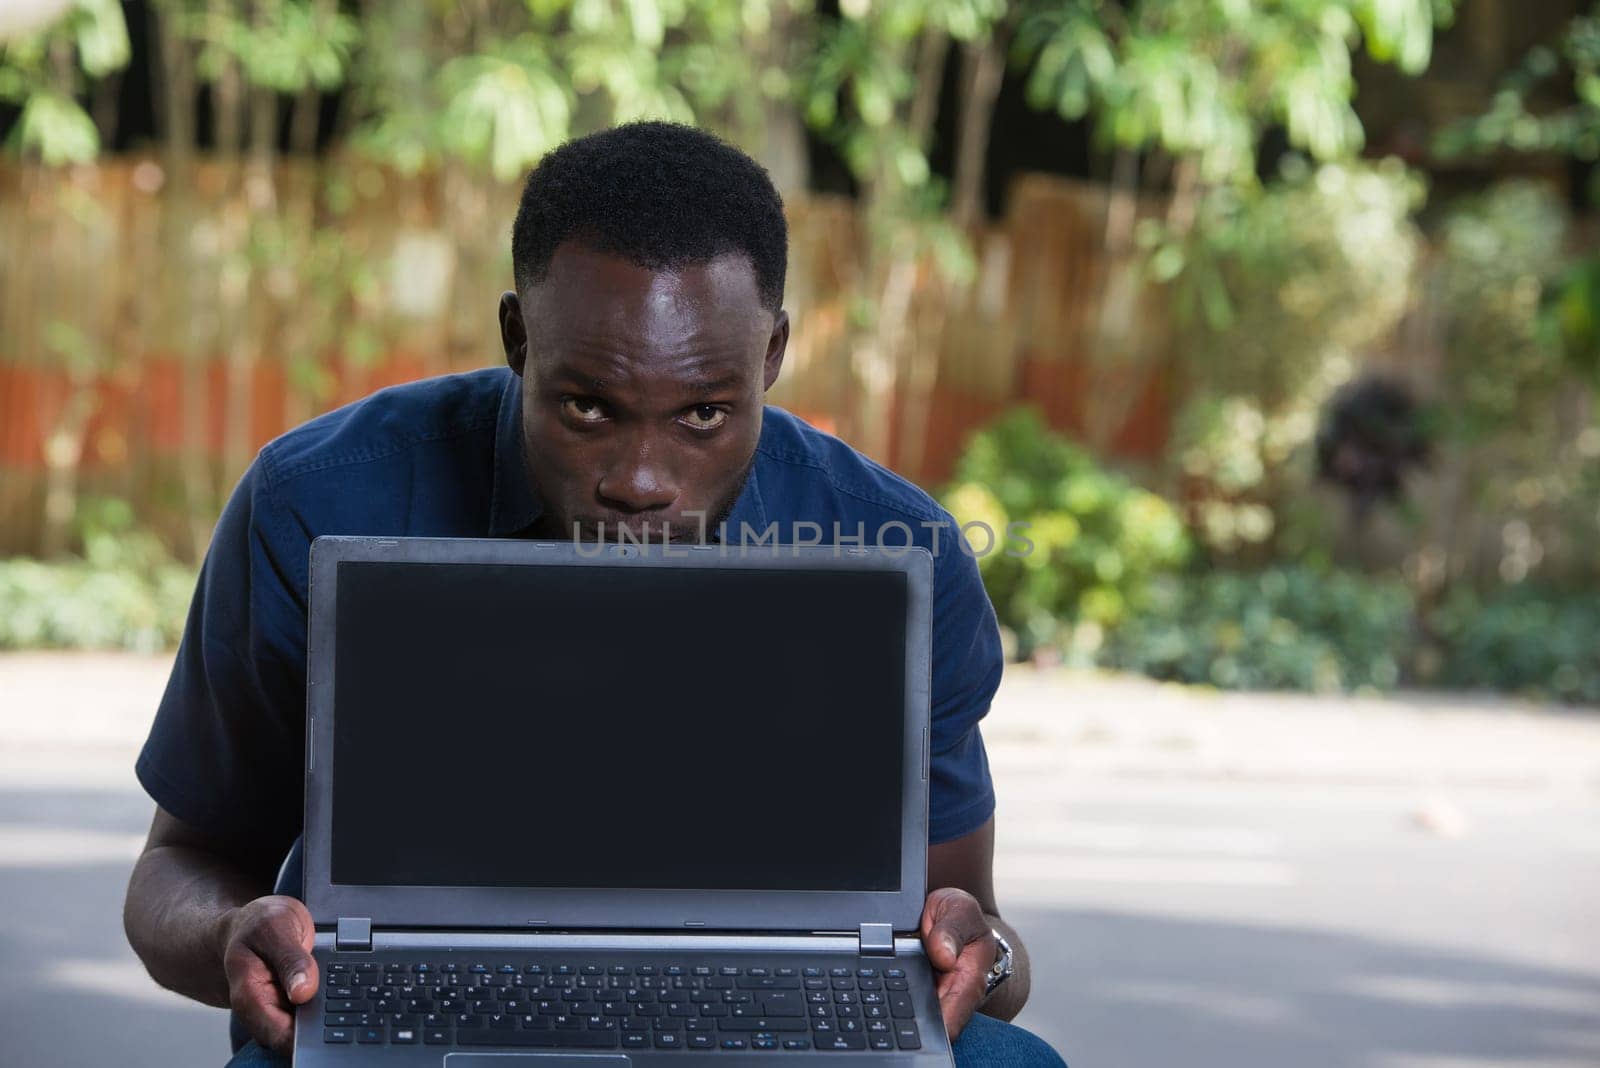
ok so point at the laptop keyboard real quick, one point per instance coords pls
(577, 1004)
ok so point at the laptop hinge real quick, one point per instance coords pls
(353, 933)
(877, 940)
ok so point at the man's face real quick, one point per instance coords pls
(641, 390)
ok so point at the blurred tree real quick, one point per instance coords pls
(1525, 339)
(1281, 291)
(872, 87)
(1190, 87)
(1516, 122)
(43, 69)
(45, 66)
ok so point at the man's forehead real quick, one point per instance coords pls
(582, 284)
(605, 320)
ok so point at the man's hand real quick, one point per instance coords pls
(960, 945)
(266, 955)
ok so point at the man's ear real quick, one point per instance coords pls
(513, 334)
(777, 344)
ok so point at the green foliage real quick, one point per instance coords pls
(1281, 288)
(1289, 628)
(1541, 642)
(53, 127)
(298, 45)
(1499, 252)
(1205, 78)
(1088, 541)
(507, 108)
(1509, 123)
(124, 593)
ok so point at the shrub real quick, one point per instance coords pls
(1284, 628)
(1525, 639)
(125, 592)
(1096, 539)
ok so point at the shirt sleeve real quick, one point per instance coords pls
(967, 664)
(227, 747)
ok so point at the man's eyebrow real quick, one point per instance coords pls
(713, 385)
(574, 376)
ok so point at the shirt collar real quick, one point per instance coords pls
(749, 507)
(513, 506)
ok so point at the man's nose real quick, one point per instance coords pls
(637, 482)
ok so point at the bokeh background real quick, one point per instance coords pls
(1275, 321)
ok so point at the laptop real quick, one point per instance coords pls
(611, 805)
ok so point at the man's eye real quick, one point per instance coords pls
(582, 409)
(705, 417)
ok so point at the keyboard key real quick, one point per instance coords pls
(900, 1006)
(800, 1043)
(907, 1036)
(635, 1040)
(783, 1003)
(553, 1039)
(338, 1034)
(669, 1040)
(404, 1036)
(436, 1036)
(880, 1042)
(701, 1040)
(369, 1036)
(733, 1043)
(761, 1024)
(834, 1042)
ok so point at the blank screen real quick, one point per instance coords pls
(618, 726)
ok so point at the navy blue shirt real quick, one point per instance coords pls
(443, 458)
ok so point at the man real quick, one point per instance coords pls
(645, 328)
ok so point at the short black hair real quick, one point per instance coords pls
(659, 194)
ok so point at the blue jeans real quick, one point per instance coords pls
(983, 1043)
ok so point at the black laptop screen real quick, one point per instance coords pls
(630, 727)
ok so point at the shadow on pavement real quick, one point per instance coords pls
(1126, 990)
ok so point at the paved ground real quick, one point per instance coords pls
(1203, 880)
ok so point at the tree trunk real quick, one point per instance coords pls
(184, 288)
(1111, 351)
(982, 68)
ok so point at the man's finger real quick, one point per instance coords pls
(284, 941)
(257, 997)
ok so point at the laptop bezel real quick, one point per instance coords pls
(612, 908)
